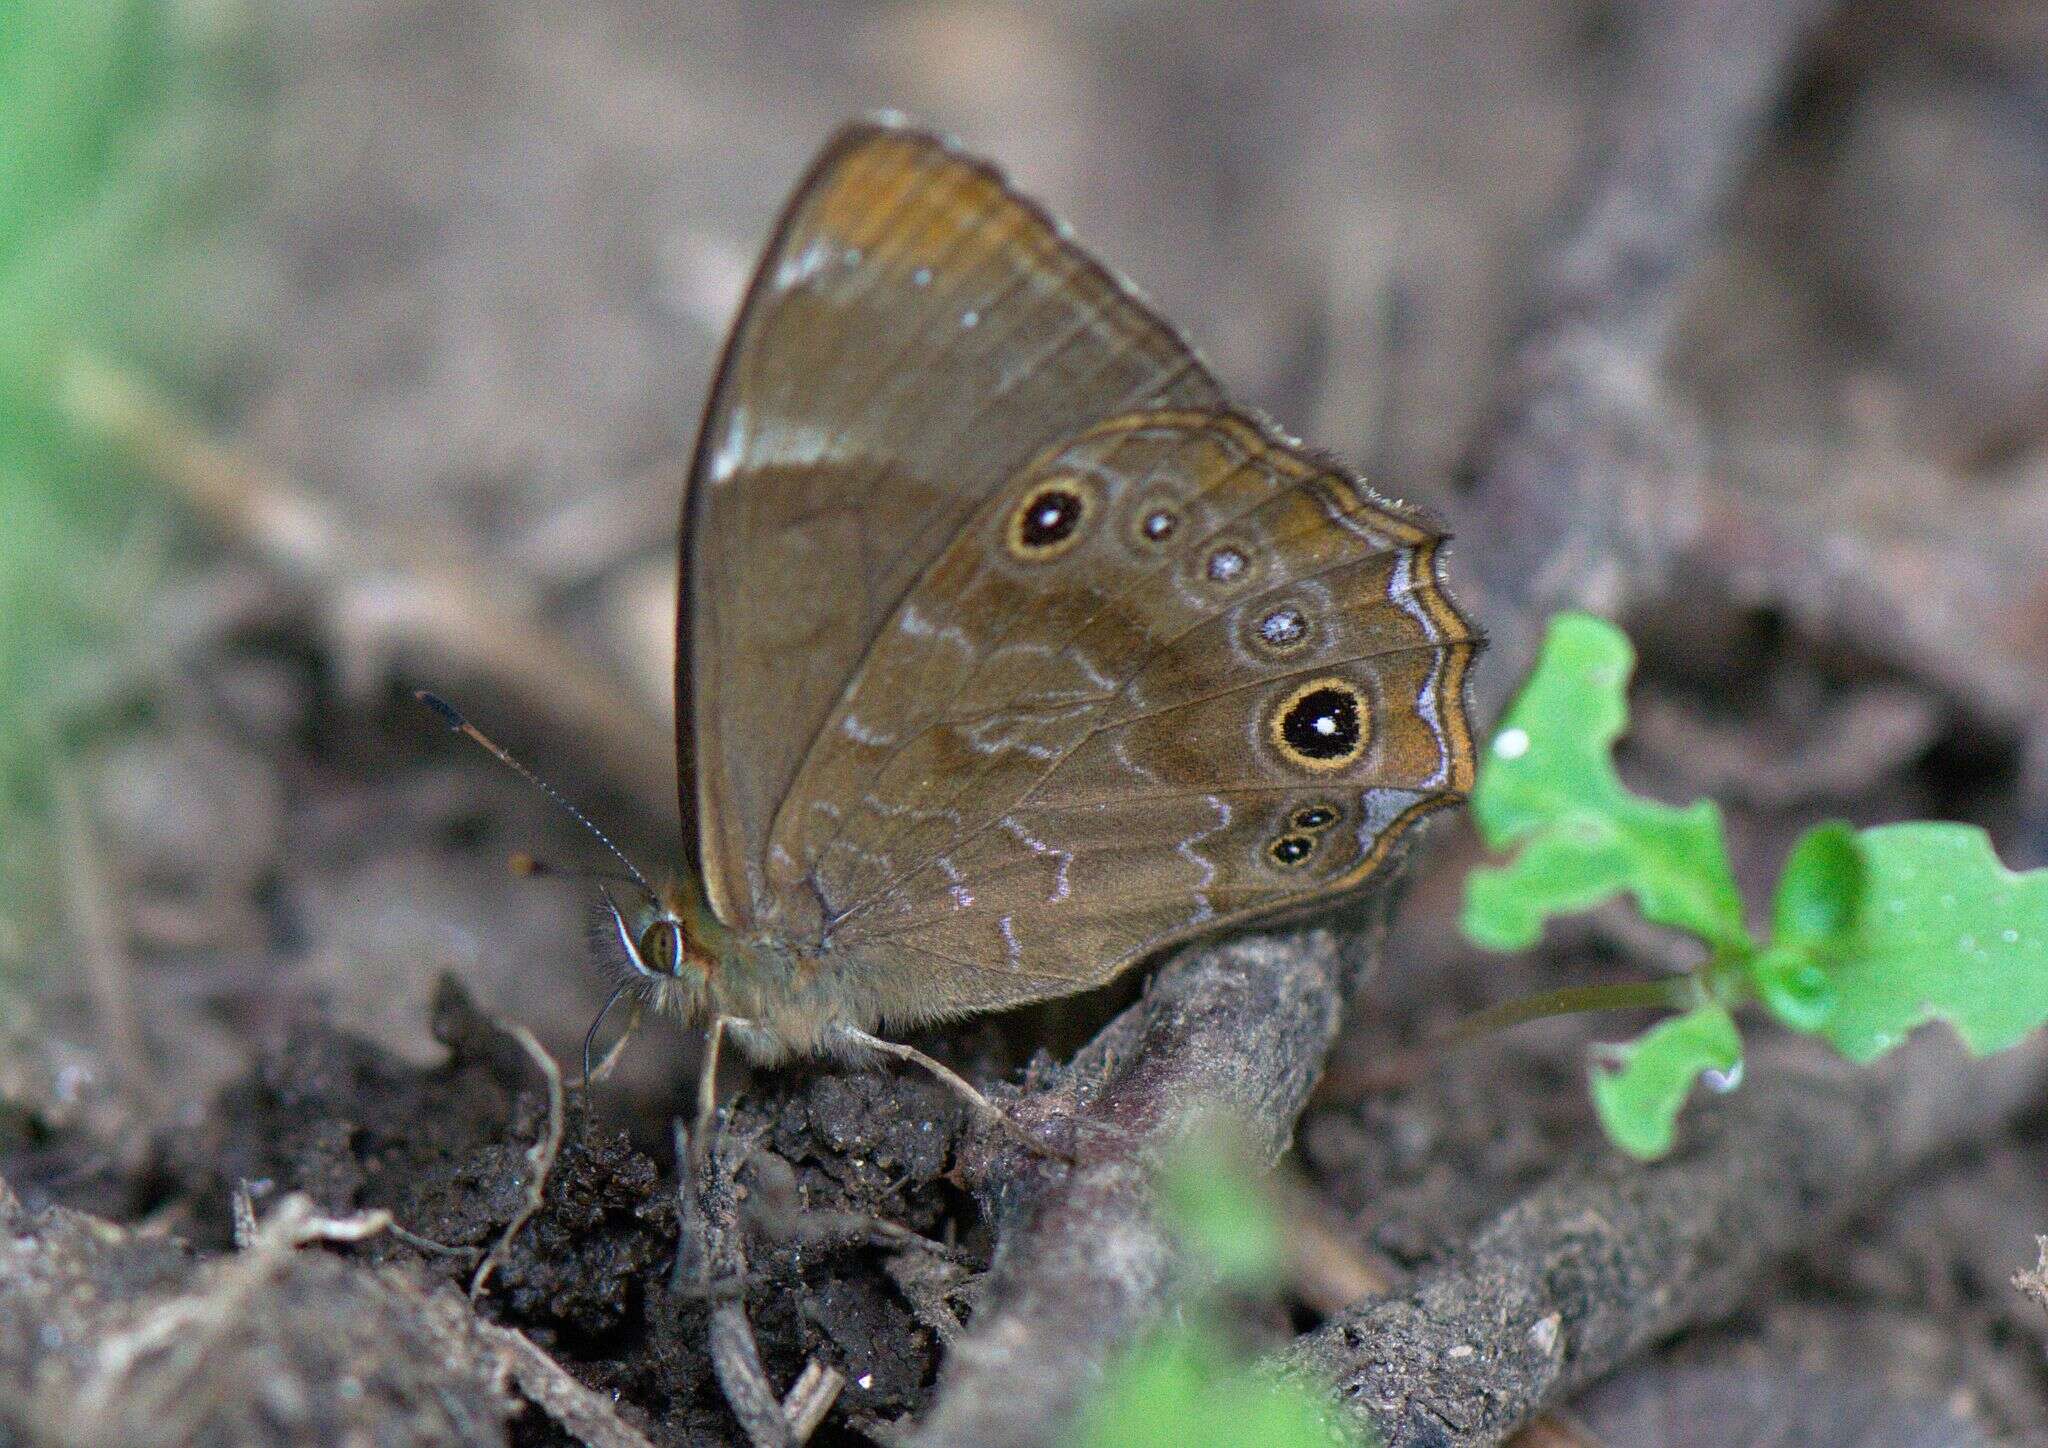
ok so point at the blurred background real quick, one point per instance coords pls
(357, 346)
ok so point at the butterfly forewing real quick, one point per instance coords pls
(916, 334)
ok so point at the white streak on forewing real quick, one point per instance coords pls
(725, 458)
(794, 271)
(913, 622)
(1001, 734)
(1401, 591)
(794, 445)
(829, 868)
(1013, 952)
(1098, 681)
(1356, 524)
(1120, 747)
(1426, 706)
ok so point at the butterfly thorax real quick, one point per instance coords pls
(699, 967)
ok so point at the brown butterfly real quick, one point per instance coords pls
(1008, 651)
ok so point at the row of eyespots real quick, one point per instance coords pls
(1294, 847)
(1050, 520)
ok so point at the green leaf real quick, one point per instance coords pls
(1183, 1386)
(1820, 892)
(1639, 1087)
(1181, 1390)
(1943, 931)
(1813, 920)
(1211, 1185)
(1794, 986)
(1548, 784)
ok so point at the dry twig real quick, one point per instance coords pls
(586, 1416)
(1084, 1263)
(708, 1240)
(810, 1398)
(1608, 1256)
(93, 903)
(383, 597)
(540, 1157)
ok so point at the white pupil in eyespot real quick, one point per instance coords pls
(1048, 516)
(1158, 525)
(1325, 724)
(1283, 626)
(1225, 564)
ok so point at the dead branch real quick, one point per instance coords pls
(1608, 1256)
(1331, 1271)
(1084, 1263)
(386, 600)
(810, 1398)
(1585, 484)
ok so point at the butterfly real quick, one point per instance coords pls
(1009, 651)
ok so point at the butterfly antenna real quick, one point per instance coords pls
(452, 717)
(530, 867)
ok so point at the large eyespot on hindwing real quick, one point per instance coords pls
(1322, 725)
(1051, 518)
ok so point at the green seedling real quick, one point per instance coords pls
(1871, 932)
(1185, 1386)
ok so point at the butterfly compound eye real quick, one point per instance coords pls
(1323, 725)
(1049, 520)
(661, 947)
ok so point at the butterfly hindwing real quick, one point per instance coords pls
(1171, 675)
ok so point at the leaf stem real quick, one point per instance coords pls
(1678, 992)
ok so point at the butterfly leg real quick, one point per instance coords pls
(954, 1081)
(707, 1087)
